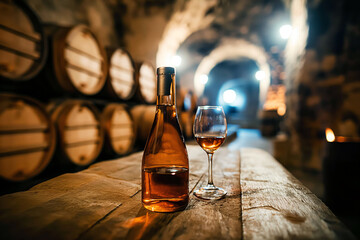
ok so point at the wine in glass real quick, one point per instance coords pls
(210, 131)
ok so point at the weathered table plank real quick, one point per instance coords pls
(276, 205)
(66, 215)
(104, 202)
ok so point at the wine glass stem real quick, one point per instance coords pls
(210, 175)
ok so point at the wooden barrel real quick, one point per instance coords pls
(80, 135)
(281, 149)
(79, 61)
(120, 83)
(180, 99)
(23, 46)
(269, 123)
(143, 116)
(186, 121)
(27, 137)
(119, 129)
(146, 83)
(187, 112)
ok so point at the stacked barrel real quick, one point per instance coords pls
(65, 101)
(27, 137)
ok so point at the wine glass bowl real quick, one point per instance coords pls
(209, 143)
(210, 129)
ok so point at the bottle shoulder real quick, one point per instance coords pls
(165, 144)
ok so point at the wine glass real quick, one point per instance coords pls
(210, 131)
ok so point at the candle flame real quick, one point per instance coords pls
(330, 136)
(281, 109)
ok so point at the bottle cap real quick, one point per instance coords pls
(165, 70)
(165, 76)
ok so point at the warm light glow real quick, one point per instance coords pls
(285, 31)
(275, 99)
(140, 223)
(229, 96)
(204, 79)
(260, 75)
(281, 109)
(176, 61)
(330, 136)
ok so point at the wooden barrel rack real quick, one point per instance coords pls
(49, 62)
(23, 45)
(27, 138)
(80, 135)
(119, 129)
(146, 83)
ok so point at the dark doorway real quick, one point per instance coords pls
(233, 85)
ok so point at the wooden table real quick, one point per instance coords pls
(264, 201)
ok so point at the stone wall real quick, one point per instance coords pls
(323, 80)
(350, 121)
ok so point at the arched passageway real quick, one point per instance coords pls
(232, 49)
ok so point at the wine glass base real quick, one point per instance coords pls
(210, 193)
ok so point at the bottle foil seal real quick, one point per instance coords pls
(165, 77)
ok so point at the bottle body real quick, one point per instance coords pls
(165, 165)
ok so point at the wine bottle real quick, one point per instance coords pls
(165, 163)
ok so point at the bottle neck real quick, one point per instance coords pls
(167, 100)
(165, 90)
